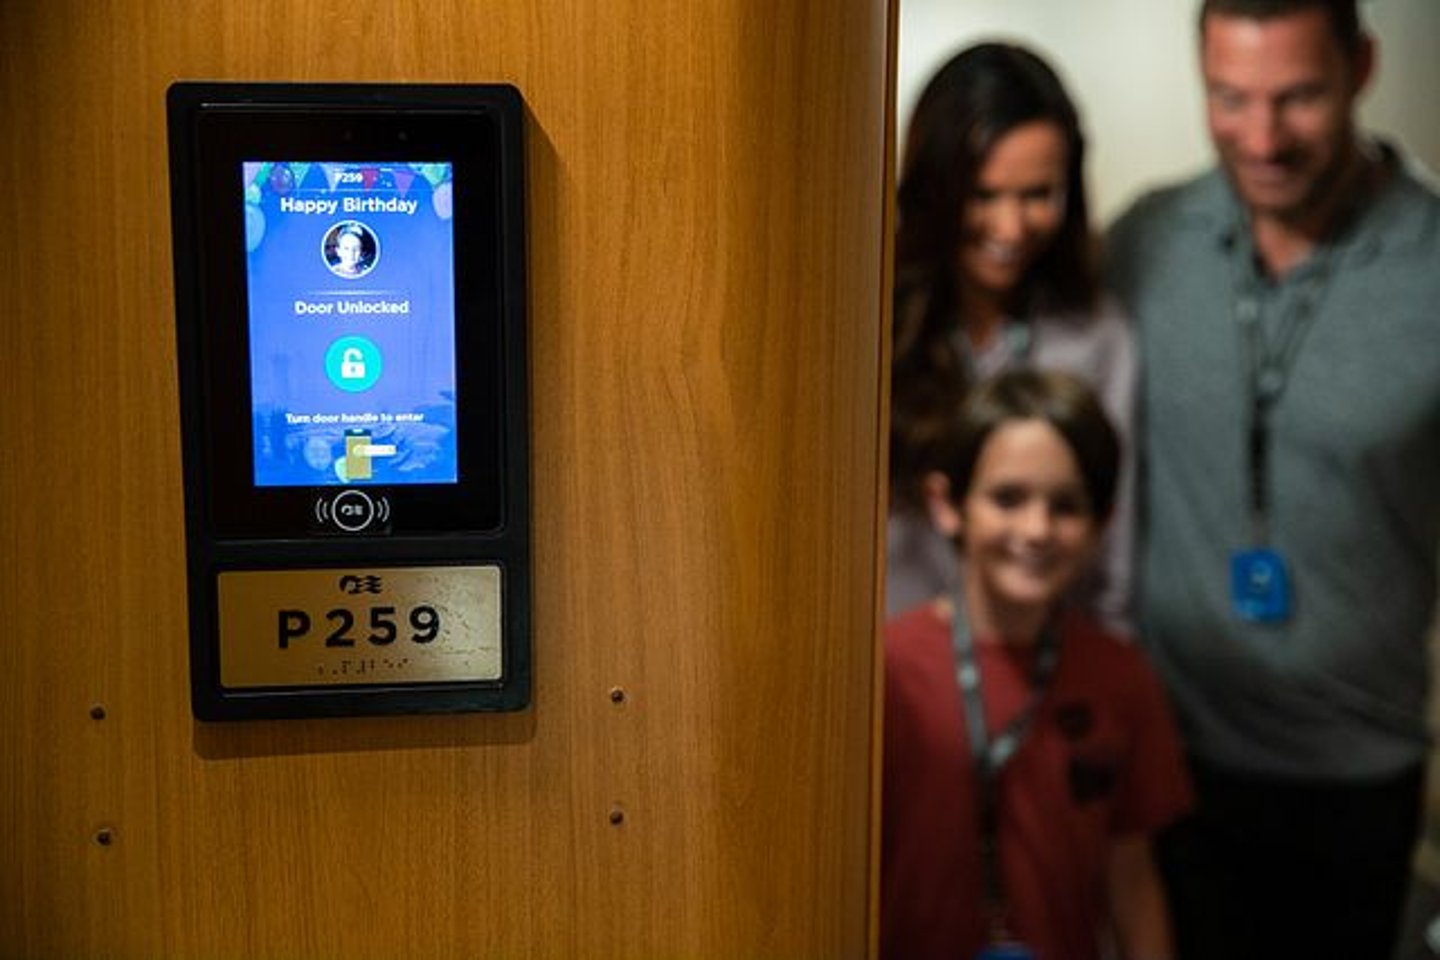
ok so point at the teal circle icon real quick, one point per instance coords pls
(353, 364)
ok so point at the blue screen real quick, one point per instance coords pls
(351, 281)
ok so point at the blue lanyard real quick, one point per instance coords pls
(990, 755)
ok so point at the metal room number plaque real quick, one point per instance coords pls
(380, 626)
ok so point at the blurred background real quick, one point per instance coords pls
(1132, 67)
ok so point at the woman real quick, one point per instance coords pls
(995, 268)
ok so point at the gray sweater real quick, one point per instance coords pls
(1338, 691)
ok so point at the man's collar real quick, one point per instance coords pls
(1381, 217)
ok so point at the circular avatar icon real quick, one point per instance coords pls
(351, 249)
(353, 364)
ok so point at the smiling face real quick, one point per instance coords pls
(348, 250)
(1280, 95)
(1028, 529)
(1016, 209)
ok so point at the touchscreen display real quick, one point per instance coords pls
(350, 273)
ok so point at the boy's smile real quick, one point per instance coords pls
(1028, 529)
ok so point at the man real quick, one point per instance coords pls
(1288, 306)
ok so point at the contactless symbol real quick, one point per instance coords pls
(353, 364)
(352, 511)
(348, 515)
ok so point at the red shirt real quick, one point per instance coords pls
(1101, 761)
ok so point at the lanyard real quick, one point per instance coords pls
(1268, 364)
(991, 754)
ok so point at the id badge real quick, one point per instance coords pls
(1008, 950)
(1259, 586)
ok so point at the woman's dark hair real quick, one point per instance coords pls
(979, 96)
(1059, 399)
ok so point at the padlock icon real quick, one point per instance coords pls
(352, 364)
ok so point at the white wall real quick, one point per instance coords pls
(1131, 65)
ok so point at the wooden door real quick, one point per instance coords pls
(707, 186)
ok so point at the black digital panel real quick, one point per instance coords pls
(349, 275)
(277, 201)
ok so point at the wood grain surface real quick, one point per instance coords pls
(708, 216)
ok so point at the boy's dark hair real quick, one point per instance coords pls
(1059, 399)
(1344, 15)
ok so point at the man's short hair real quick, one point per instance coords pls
(1344, 14)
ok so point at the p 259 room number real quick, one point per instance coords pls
(379, 626)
